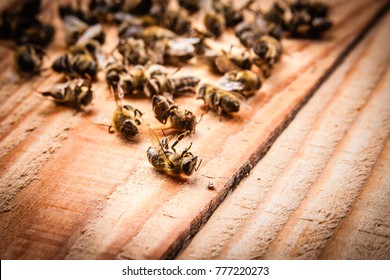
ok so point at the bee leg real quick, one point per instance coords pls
(186, 149)
(196, 168)
(110, 129)
(181, 136)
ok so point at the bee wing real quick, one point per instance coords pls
(119, 96)
(90, 33)
(157, 144)
(101, 119)
(73, 23)
(227, 84)
(224, 64)
(181, 47)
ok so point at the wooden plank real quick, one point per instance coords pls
(71, 190)
(333, 154)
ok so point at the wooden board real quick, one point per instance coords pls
(70, 190)
(322, 191)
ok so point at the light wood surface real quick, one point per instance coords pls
(322, 191)
(70, 190)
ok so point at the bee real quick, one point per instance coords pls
(114, 71)
(244, 82)
(29, 58)
(80, 60)
(21, 24)
(154, 34)
(219, 100)
(160, 84)
(133, 51)
(226, 61)
(75, 93)
(134, 81)
(78, 31)
(126, 118)
(180, 119)
(166, 159)
(266, 52)
(179, 50)
(177, 20)
(309, 19)
(70, 10)
(190, 5)
(215, 23)
(231, 15)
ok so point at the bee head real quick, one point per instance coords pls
(260, 48)
(128, 128)
(86, 97)
(229, 106)
(202, 91)
(189, 165)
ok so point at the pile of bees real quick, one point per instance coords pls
(153, 34)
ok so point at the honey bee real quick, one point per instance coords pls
(160, 84)
(133, 51)
(309, 19)
(78, 31)
(177, 20)
(78, 11)
(224, 61)
(80, 60)
(232, 15)
(21, 24)
(126, 118)
(215, 23)
(219, 100)
(75, 93)
(180, 119)
(166, 159)
(190, 5)
(29, 58)
(266, 52)
(244, 82)
(114, 71)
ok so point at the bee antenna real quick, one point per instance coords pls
(201, 116)
(196, 168)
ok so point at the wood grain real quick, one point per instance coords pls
(305, 198)
(70, 190)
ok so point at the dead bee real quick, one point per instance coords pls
(180, 119)
(215, 23)
(126, 118)
(179, 50)
(309, 19)
(78, 11)
(244, 82)
(133, 82)
(133, 51)
(190, 5)
(80, 60)
(29, 58)
(224, 61)
(166, 159)
(160, 84)
(75, 93)
(114, 70)
(76, 30)
(21, 24)
(177, 20)
(266, 52)
(219, 100)
(154, 34)
(231, 15)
